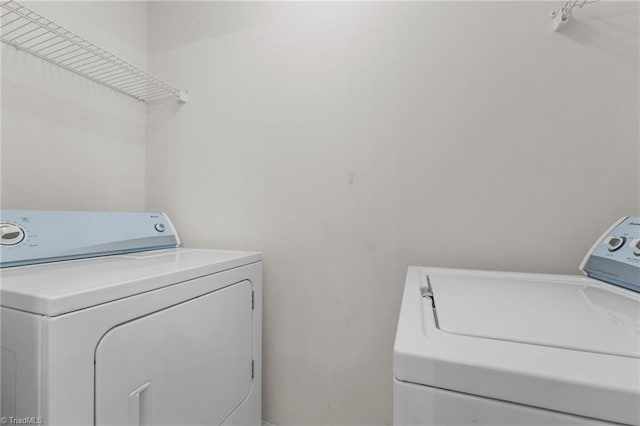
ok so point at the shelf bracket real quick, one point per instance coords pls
(183, 96)
(561, 15)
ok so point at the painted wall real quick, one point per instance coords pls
(350, 140)
(68, 143)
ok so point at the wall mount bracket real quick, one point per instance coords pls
(561, 15)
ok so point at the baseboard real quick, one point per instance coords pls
(267, 423)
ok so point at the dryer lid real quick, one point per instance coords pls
(53, 289)
(583, 316)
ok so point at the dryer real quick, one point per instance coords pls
(107, 321)
(501, 348)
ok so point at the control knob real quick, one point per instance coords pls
(615, 243)
(10, 234)
(635, 246)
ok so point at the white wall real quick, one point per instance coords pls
(68, 143)
(346, 141)
(350, 140)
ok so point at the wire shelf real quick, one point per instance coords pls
(28, 31)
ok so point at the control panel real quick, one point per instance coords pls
(615, 257)
(38, 236)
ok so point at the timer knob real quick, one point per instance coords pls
(10, 234)
(615, 243)
(635, 246)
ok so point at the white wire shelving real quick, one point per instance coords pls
(30, 32)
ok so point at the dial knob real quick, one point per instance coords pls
(10, 234)
(635, 246)
(615, 243)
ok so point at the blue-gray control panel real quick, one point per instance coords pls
(38, 236)
(615, 258)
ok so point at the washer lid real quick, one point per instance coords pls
(532, 339)
(539, 311)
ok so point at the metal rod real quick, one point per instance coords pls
(35, 37)
(43, 41)
(132, 84)
(124, 83)
(146, 94)
(121, 78)
(145, 89)
(138, 80)
(16, 29)
(63, 54)
(84, 59)
(159, 96)
(137, 93)
(112, 74)
(54, 44)
(139, 86)
(154, 92)
(108, 73)
(121, 81)
(95, 66)
(64, 61)
(10, 22)
(132, 74)
(112, 68)
(6, 14)
(23, 34)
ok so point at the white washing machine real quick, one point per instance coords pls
(105, 321)
(499, 348)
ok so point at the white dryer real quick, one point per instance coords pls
(499, 348)
(105, 321)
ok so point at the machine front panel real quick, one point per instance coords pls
(37, 236)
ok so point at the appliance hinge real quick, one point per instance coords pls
(253, 299)
(427, 293)
(252, 369)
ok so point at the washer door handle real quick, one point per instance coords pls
(140, 406)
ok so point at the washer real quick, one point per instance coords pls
(106, 321)
(501, 348)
